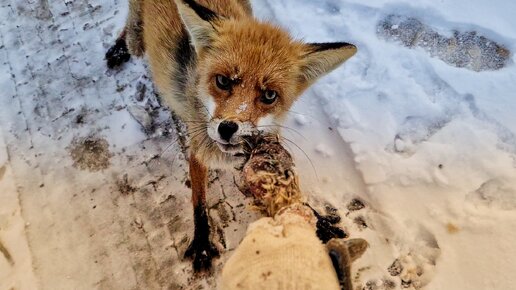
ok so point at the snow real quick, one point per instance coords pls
(242, 108)
(430, 149)
(435, 144)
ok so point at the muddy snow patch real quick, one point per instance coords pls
(90, 153)
(5, 253)
(2, 172)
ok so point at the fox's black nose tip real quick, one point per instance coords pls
(227, 129)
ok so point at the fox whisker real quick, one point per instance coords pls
(283, 127)
(304, 153)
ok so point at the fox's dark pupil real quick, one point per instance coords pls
(269, 97)
(223, 82)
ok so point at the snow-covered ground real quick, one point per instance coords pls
(92, 174)
(435, 144)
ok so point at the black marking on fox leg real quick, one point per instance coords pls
(203, 12)
(202, 225)
(184, 56)
(318, 47)
(201, 250)
(117, 54)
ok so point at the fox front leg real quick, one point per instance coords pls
(201, 250)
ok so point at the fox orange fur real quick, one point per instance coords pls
(227, 75)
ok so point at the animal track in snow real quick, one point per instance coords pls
(415, 252)
(464, 49)
(494, 193)
(416, 130)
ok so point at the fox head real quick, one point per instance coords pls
(249, 72)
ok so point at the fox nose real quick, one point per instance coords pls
(227, 129)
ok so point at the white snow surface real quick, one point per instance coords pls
(429, 148)
(435, 144)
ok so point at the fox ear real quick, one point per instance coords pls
(322, 58)
(198, 21)
(247, 6)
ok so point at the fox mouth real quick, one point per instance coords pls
(233, 149)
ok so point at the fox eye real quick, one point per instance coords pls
(269, 97)
(223, 83)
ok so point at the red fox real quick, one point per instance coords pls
(227, 75)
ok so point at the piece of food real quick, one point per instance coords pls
(269, 175)
(270, 178)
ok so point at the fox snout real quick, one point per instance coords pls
(227, 129)
(229, 134)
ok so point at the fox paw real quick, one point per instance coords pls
(201, 251)
(117, 54)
